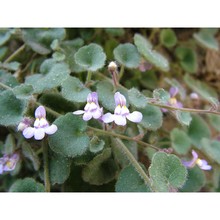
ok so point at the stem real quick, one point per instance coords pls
(12, 56)
(109, 133)
(121, 73)
(46, 165)
(135, 164)
(89, 76)
(185, 109)
(5, 86)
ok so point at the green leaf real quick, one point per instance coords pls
(23, 91)
(58, 56)
(70, 140)
(167, 172)
(127, 55)
(188, 58)
(29, 153)
(96, 144)
(59, 168)
(40, 39)
(180, 141)
(54, 75)
(136, 98)
(145, 49)
(197, 130)
(152, 117)
(105, 94)
(12, 109)
(211, 148)
(9, 146)
(90, 57)
(205, 38)
(74, 90)
(26, 185)
(161, 95)
(13, 66)
(200, 87)
(115, 32)
(130, 181)
(5, 35)
(183, 117)
(195, 181)
(168, 38)
(69, 48)
(3, 52)
(101, 169)
(7, 79)
(214, 121)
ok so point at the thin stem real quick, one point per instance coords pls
(89, 76)
(185, 109)
(134, 163)
(5, 86)
(121, 73)
(109, 133)
(46, 165)
(12, 56)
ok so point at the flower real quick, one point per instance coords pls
(91, 109)
(8, 162)
(194, 96)
(121, 112)
(203, 164)
(26, 122)
(112, 66)
(41, 126)
(172, 100)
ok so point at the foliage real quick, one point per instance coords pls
(147, 133)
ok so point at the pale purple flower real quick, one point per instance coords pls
(203, 164)
(26, 122)
(41, 126)
(8, 162)
(194, 96)
(91, 109)
(172, 100)
(121, 112)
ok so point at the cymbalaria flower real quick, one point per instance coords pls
(26, 122)
(173, 101)
(41, 126)
(91, 109)
(203, 164)
(121, 112)
(8, 162)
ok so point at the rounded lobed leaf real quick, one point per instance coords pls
(196, 179)
(211, 148)
(188, 59)
(96, 144)
(70, 140)
(180, 141)
(152, 117)
(136, 98)
(26, 185)
(145, 49)
(90, 57)
(168, 38)
(127, 55)
(129, 180)
(167, 172)
(74, 90)
(23, 91)
(101, 170)
(161, 95)
(59, 168)
(11, 108)
(183, 117)
(214, 121)
(197, 130)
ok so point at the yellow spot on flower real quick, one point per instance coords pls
(199, 162)
(173, 101)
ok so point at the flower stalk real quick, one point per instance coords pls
(46, 165)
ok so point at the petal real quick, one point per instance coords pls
(124, 110)
(28, 132)
(108, 117)
(87, 116)
(195, 155)
(51, 129)
(118, 110)
(78, 112)
(97, 113)
(43, 122)
(120, 120)
(39, 134)
(119, 99)
(188, 163)
(94, 96)
(92, 106)
(135, 116)
(206, 167)
(179, 105)
(173, 91)
(164, 110)
(40, 112)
